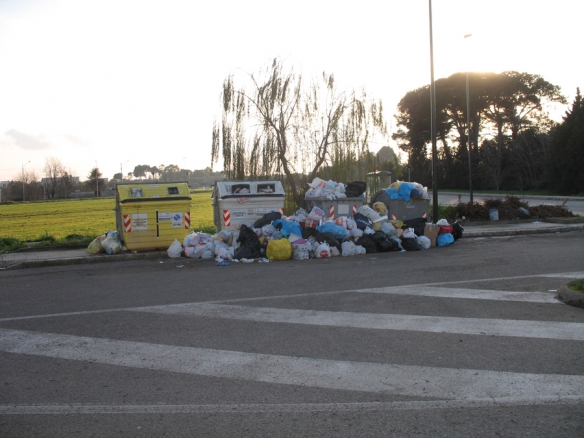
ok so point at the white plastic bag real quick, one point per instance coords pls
(388, 229)
(323, 251)
(111, 245)
(174, 249)
(359, 250)
(442, 222)
(409, 234)
(425, 242)
(348, 248)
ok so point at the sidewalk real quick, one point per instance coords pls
(34, 259)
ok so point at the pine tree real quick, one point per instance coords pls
(567, 151)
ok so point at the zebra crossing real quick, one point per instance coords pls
(450, 386)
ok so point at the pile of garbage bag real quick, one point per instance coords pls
(407, 190)
(310, 234)
(321, 189)
(109, 242)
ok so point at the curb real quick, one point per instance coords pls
(154, 255)
(570, 297)
(491, 233)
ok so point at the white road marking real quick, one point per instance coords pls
(89, 312)
(405, 380)
(91, 409)
(575, 275)
(474, 294)
(437, 324)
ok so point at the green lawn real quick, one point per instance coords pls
(87, 217)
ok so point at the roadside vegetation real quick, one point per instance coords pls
(578, 286)
(74, 222)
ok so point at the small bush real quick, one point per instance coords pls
(8, 244)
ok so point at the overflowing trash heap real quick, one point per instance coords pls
(311, 234)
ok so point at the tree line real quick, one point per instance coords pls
(513, 143)
(277, 124)
(59, 182)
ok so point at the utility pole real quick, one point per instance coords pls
(468, 130)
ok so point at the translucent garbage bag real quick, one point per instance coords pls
(95, 246)
(174, 249)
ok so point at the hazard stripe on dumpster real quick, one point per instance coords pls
(332, 211)
(127, 223)
(187, 219)
(227, 218)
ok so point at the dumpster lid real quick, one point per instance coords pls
(144, 192)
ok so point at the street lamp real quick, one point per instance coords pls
(468, 129)
(23, 178)
(433, 121)
(121, 171)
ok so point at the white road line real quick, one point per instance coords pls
(233, 300)
(565, 275)
(437, 324)
(406, 380)
(474, 294)
(92, 409)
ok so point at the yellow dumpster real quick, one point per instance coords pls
(151, 216)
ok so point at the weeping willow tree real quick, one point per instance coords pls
(275, 125)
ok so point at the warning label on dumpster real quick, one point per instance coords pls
(176, 220)
(140, 222)
(163, 216)
(238, 214)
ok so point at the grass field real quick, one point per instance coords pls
(86, 217)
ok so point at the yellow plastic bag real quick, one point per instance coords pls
(380, 208)
(95, 246)
(280, 249)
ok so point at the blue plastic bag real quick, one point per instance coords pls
(287, 227)
(334, 229)
(362, 221)
(444, 239)
(392, 193)
(405, 190)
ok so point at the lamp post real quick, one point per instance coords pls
(121, 171)
(468, 129)
(433, 121)
(23, 178)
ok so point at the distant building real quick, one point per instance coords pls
(74, 180)
(4, 184)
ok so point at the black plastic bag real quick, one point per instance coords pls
(355, 189)
(366, 242)
(418, 224)
(384, 244)
(380, 239)
(411, 244)
(362, 221)
(307, 232)
(267, 219)
(328, 238)
(457, 230)
(249, 244)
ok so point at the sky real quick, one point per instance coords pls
(127, 82)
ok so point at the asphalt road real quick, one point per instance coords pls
(466, 340)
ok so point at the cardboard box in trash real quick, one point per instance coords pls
(431, 232)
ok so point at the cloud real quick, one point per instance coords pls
(27, 141)
(77, 141)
